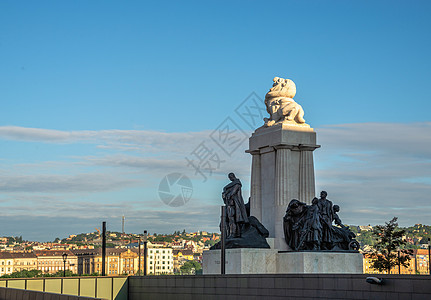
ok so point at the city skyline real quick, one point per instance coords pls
(101, 102)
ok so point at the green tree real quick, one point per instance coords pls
(388, 252)
(190, 267)
(24, 274)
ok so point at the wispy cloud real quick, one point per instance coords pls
(129, 161)
(377, 171)
(374, 171)
(123, 140)
(63, 183)
(80, 219)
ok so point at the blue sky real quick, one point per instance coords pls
(100, 100)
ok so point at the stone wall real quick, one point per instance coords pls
(279, 286)
(110, 288)
(18, 294)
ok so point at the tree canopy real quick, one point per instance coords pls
(388, 251)
(190, 267)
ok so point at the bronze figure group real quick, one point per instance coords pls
(315, 227)
(310, 227)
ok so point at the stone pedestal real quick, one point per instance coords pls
(320, 262)
(282, 170)
(268, 261)
(241, 261)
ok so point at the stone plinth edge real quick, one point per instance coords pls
(270, 261)
(320, 262)
(282, 136)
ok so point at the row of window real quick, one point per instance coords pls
(25, 263)
(157, 251)
(55, 262)
(158, 268)
(163, 257)
(163, 262)
(8, 269)
(50, 268)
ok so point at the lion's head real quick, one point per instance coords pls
(282, 88)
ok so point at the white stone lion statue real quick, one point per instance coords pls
(280, 104)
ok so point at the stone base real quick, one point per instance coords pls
(240, 261)
(320, 262)
(270, 261)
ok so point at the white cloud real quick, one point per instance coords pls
(373, 171)
(376, 171)
(132, 140)
(63, 183)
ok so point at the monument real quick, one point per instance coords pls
(282, 165)
(298, 226)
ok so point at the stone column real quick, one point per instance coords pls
(285, 166)
(306, 175)
(255, 191)
(281, 175)
(282, 192)
(267, 187)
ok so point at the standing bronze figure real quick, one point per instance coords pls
(236, 212)
(326, 218)
(242, 229)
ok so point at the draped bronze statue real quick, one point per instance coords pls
(243, 230)
(235, 208)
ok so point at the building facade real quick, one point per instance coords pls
(160, 261)
(24, 261)
(6, 263)
(89, 261)
(51, 261)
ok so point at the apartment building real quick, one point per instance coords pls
(128, 262)
(112, 262)
(24, 261)
(89, 261)
(85, 260)
(6, 263)
(51, 261)
(160, 261)
(124, 261)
